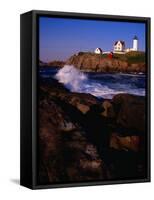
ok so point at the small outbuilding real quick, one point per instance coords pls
(98, 51)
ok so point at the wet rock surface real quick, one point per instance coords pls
(82, 138)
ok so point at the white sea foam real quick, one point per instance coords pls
(77, 81)
(72, 78)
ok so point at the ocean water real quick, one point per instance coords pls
(101, 85)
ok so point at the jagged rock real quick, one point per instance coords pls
(125, 142)
(65, 154)
(78, 143)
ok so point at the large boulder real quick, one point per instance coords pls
(130, 111)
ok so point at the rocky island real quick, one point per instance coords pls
(131, 62)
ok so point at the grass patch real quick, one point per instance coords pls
(131, 57)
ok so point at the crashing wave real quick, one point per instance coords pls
(77, 81)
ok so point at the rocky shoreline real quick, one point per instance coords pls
(133, 62)
(91, 62)
(82, 138)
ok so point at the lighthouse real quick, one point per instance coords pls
(135, 43)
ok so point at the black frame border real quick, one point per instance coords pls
(35, 84)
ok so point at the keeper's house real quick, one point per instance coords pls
(119, 47)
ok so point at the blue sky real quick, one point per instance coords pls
(60, 38)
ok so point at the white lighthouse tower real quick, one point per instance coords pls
(135, 43)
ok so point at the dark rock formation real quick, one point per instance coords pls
(128, 137)
(82, 138)
(130, 111)
(56, 63)
(41, 63)
(129, 142)
(65, 154)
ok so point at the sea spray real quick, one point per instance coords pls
(72, 78)
(78, 81)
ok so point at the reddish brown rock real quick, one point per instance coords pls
(109, 110)
(83, 108)
(125, 142)
(101, 63)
